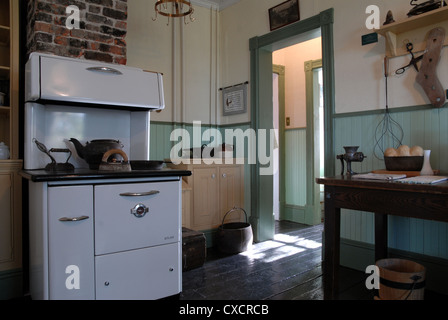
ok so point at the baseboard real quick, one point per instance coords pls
(11, 284)
(359, 255)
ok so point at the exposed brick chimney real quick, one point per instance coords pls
(100, 36)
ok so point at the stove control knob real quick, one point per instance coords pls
(140, 210)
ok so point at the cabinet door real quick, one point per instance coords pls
(231, 193)
(70, 243)
(6, 222)
(144, 274)
(205, 198)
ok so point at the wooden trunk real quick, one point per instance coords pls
(194, 250)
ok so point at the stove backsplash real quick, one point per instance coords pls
(54, 125)
(100, 35)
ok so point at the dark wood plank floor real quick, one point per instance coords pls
(286, 268)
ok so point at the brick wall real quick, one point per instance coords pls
(101, 34)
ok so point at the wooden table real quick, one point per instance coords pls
(383, 198)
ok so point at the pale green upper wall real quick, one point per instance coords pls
(213, 52)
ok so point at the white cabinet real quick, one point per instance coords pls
(10, 215)
(105, 240)
(205, 200)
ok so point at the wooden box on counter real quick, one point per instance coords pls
(194, 250)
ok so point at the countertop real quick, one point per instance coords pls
(87, 174)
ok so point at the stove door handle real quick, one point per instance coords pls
(65, 219)
(139, 194)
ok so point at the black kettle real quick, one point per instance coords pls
(94, 150)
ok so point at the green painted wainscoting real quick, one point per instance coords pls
(295, 175)
(422, 240)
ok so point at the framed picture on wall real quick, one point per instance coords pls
(234, 99)
(283, 14)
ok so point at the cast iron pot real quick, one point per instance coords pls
(94, 150)
(234, 237)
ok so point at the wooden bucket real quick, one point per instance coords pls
(401, 279)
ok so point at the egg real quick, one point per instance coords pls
(404, 151)
(416, 151)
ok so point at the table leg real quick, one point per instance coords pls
(332, 231)
(380, 236)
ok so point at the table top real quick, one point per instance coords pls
(394, 185)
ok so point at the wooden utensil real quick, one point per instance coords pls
(427, 76)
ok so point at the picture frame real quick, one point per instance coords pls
(283, 14)
(234, 99)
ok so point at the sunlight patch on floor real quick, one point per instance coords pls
(280, 247)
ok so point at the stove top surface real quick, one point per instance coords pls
(42, 175)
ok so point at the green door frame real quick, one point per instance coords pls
(312, 208)
(261, 48)
(280, 70)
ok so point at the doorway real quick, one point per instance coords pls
(261, 48)
(295, 86)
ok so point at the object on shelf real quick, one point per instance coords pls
(427, 76)
(398, 34)
(389, 18)
(425, 7)
(4, 151)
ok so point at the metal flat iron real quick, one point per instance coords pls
(115, 165)
(425, 7)
(54, 166)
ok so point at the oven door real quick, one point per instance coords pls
(144, 274)
(136, 215)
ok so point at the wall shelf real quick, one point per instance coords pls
(414, 30)
(4, 72)
(4, 35)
